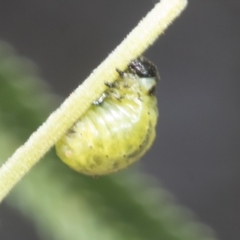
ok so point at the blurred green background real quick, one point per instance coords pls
(196, 154)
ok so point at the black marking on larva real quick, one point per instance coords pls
(92, 166)
(117, 96)
(152, 91)
(121, 73)
(146, 140)
(71, 131)
(112, 84)
(115, 165)
(97, 160)
(143, 144)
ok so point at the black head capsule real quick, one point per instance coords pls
(143, 68)
(146, 71)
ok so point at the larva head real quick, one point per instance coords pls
(146, 71)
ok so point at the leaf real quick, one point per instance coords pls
(67, 205)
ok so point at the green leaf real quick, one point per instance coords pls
(67, 205)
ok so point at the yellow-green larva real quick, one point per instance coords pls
(118, 128)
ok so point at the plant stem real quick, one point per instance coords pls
(78, 102)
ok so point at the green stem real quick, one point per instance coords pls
(78, 102)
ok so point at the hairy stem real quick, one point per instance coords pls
(78, 102)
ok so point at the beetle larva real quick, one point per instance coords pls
(118, 128)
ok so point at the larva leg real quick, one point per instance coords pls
(112, 93)
(121, 73)
(100, 100)
(116, 95)
(111, 85)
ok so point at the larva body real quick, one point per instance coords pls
(118, 128)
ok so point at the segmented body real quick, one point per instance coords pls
(116, 130)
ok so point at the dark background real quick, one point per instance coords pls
(196, 154)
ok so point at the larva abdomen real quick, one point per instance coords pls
(116, 131)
